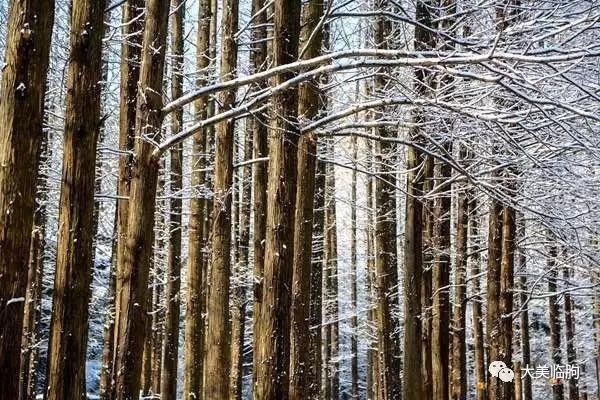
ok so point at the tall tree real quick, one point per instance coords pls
(258, 60)
(133, 23)
(413, 225)
(272, 381)
(74, 260)
(386, 263)
(217, 362)
(301, 368)
(524, 305)
(168, 384)
(570, 334)
(21, 114)
(136, 261)
(554, 318)
(196, 296)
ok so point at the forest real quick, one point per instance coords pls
(300, 199)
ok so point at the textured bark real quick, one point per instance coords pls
(33, 297)
(459, 350)
(440, 332)
(518, 381)
(386, 257)
(570, 335)
(524, 318)
(413, 225)
(258, 57)
(74, 259)
(196, 296)
(217, 362)
(354, 277)
(426, 290)
(170, 345)
(21, 115)
(554, 319)
(316, 285)
(272, 380)
(506, 293)
(133, 24)
(136, 261)
(331, 284)
(476, 304)
(301, 368)
(493, 316)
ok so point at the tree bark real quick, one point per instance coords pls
(554, 319)
(170, 350)
(354, 277)
(136, 260)
(196, 296)
(74, 260)
(133, 24)
(217, 362)
(459, 349)
(476, 304)
(570, 335)
(506, 293)
(309, 104)
(21, 114)
(523, 299)
(272, 380)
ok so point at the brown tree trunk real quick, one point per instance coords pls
(217, 362)
(523, 299)
(68, 327)
(170, 345)
(133, 24)
(386, 257)
(21, 114)
(32, 312)
(426, 285)
(554, 319)
(440, 338)
(354, 277)
(413, 225)
(196, 278)
(459, 350)
(570, 335)
(331, 284)
(258, 57)
(136, 261)
(506, 293)
(476, 304)
(518, 381)
(301, 367)
(272, 380)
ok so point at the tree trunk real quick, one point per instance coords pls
(331, 263)
(196, 296)
(459, 350)
(217, 362)
(309, 104)
(68, 327)
(554, 319)
(523, 299)
(136, 260)
(476, 304)
(133, 24)
(354, 277)
(506, 293)
(413, 225)
(426, 285)
(21, 114)
(168, 383)
(272, 380)
(258, 57)
(32, 312)
(386, 257)
(570, 335)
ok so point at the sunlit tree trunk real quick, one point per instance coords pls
(217, 362)
(302, 374)
(272, 380)
(136, 261)
(68, 327)
(21, 114)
